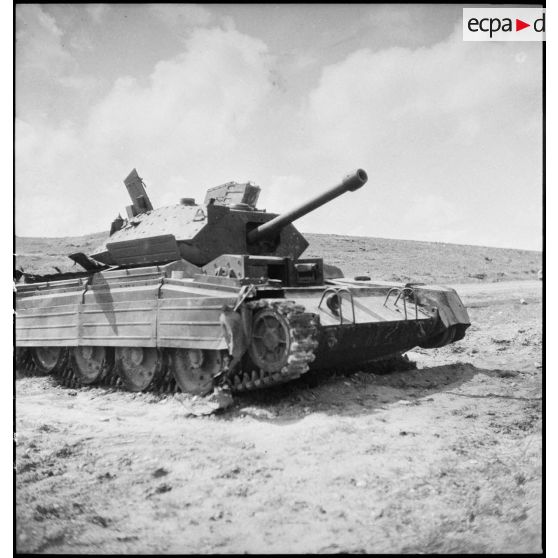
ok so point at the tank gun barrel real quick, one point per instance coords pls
(351, 183)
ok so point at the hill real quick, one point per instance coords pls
(381, 258)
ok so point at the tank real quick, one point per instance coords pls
(194, 296)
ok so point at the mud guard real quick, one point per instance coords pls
(451, 311)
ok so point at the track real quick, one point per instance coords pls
(303, 333)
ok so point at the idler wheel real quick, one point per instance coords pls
(92, 363)
(269, 349)
(194, 369)
(138, 366)
(49, 359)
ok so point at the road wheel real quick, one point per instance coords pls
(92, 363)
(194, 369)
(49, 359)
(138, 367)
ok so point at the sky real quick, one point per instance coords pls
(291, 97)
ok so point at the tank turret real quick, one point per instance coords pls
(228, 222)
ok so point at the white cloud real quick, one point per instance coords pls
(191, 111)
(450, 136)
(199, 102)
(377, 94)
(460, 122)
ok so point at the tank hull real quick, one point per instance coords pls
(151, 309)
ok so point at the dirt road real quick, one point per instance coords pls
(446, 458)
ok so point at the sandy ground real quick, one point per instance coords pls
(445, 458)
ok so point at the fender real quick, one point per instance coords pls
(446, 301)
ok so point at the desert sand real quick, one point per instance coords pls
(440, 455)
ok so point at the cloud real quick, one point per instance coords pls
(193, 105)
(381, 93)
(197, 101)
(457, 121)
(449, 134)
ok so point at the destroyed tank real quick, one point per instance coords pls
(193, 296)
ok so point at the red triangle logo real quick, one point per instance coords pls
(519, 25)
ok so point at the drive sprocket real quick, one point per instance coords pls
(284, 339)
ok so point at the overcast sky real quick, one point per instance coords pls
(292, 97)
